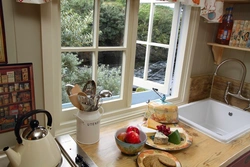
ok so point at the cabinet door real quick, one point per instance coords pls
(243, 161)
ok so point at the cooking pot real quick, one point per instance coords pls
(36, 146)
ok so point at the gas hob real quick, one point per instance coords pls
(72, 154)
(4, 162)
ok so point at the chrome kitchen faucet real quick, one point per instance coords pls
(238, 94)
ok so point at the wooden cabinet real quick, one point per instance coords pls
(243, 161)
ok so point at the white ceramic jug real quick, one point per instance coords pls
(88, 126)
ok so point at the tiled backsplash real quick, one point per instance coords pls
(201, 89)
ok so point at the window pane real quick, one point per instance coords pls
(77, 23)
(140, 60)
(155, 23)
(162, 24)
(112, 22)
(109, 72)
(143, 20)
(157, 64)
(76, 69)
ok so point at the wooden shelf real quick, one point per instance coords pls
(237, 1)
(218, 50)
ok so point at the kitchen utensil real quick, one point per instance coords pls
(105, 93)
(74, 100)
(98, 99)
(97, 102)
(86, 102)
(83, 106)
(69, 87)
(90, 88)
(82, 94)
(76, 89)
(36, 146)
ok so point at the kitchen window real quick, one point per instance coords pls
(100, 36)
(156, 48)
(96, 52)
(122, 53)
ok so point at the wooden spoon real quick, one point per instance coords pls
(76, 89)
(74, 100)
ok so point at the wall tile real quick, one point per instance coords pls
(201, 89)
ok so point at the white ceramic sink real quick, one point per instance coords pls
(216, 119)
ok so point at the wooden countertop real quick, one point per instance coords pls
(204, 151)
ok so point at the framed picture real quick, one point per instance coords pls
(16, 94)
(3, 52)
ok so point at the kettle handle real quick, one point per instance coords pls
(27, 115)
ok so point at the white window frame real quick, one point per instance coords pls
(162, 88)
(128, 49)
(51, 51)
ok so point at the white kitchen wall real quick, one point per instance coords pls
(203, 60)
(22, 28)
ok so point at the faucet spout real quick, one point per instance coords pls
(238, 94)
(243, 74)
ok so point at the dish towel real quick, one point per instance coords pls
(211, 10)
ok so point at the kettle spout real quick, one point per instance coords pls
(14, 157)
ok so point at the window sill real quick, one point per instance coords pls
(135, 111)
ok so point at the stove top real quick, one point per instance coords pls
(64, 162)
(4, 162)
(72, 154)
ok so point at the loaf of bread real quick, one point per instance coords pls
(163, 113)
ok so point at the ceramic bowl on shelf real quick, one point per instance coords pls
(128, 148)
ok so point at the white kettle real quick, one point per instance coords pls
(36, 146)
